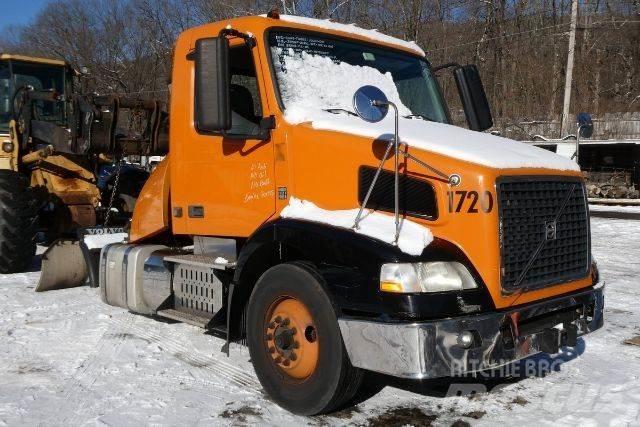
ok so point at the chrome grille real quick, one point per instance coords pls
(539, 245)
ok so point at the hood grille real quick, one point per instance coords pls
(544, 231)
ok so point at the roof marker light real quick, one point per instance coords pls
(274, 14)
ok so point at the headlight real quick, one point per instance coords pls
(7, 147)
(440, 276)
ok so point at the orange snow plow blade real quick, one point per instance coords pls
(63, 266)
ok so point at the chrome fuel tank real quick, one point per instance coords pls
(135, 277)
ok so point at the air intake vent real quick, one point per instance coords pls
(417, 197)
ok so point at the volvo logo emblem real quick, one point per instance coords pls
(550, 230)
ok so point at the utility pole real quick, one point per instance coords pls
(289, 10)
(565, 125)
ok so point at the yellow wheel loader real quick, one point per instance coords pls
(63, 164)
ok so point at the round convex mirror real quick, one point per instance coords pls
(585, 125)
(370, 103)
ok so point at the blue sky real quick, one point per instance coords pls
(19, 11)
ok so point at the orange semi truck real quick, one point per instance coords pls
(338, 228)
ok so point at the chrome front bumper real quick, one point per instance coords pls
(432, 349)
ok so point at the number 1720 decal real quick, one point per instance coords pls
(470, 201)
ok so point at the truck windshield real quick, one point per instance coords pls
(16, 74)
(322, 73)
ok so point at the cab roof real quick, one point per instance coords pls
(261, 23)
(351, 30)
(25, 58)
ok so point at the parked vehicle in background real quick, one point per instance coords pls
(56, 145)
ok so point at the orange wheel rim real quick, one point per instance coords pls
(291, 338)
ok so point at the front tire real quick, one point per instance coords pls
(295, 342)
(17, 223)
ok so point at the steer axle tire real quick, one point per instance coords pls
(295, 342)
(17, 223)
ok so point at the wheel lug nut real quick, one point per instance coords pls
(286, 322)
(272, 350)
(293, 331)
(296, 344)
(272, 325)
(269, 337)
(293, 356)
(278, 359)
(278, 319)
(286, 362)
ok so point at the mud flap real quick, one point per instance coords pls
(63, 266)
(68, 262)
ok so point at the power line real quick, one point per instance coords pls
(498, 37)
(534, 30)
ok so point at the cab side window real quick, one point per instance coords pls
(246, 109)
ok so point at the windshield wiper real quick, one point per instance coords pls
(338, 110)
(419, 116)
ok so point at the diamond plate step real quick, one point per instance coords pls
(181, 316)
(201, 261)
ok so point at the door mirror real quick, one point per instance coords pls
(370, 104)
(212, 81)
(474, 100)
(585, 125)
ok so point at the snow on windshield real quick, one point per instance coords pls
(312, 83)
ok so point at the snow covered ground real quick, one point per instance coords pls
(614, 208)
(68, 359)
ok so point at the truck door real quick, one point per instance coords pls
(230, 190)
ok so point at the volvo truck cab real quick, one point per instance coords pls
(336, 237)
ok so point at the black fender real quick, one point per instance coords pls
(350, 264)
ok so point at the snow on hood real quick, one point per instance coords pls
(447, 140)
(373, 35)
(413, 238)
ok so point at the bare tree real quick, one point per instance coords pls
(520, 46)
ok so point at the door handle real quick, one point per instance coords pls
(196, 211)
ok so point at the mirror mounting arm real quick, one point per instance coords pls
(372, 105)
(267, 124)
(396, 183)
(249, 39)
(445, 66)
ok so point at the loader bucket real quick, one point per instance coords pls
(63, 266)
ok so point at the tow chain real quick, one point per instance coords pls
(113, 192)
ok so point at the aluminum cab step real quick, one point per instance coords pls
(190, 318)
(201, 261)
